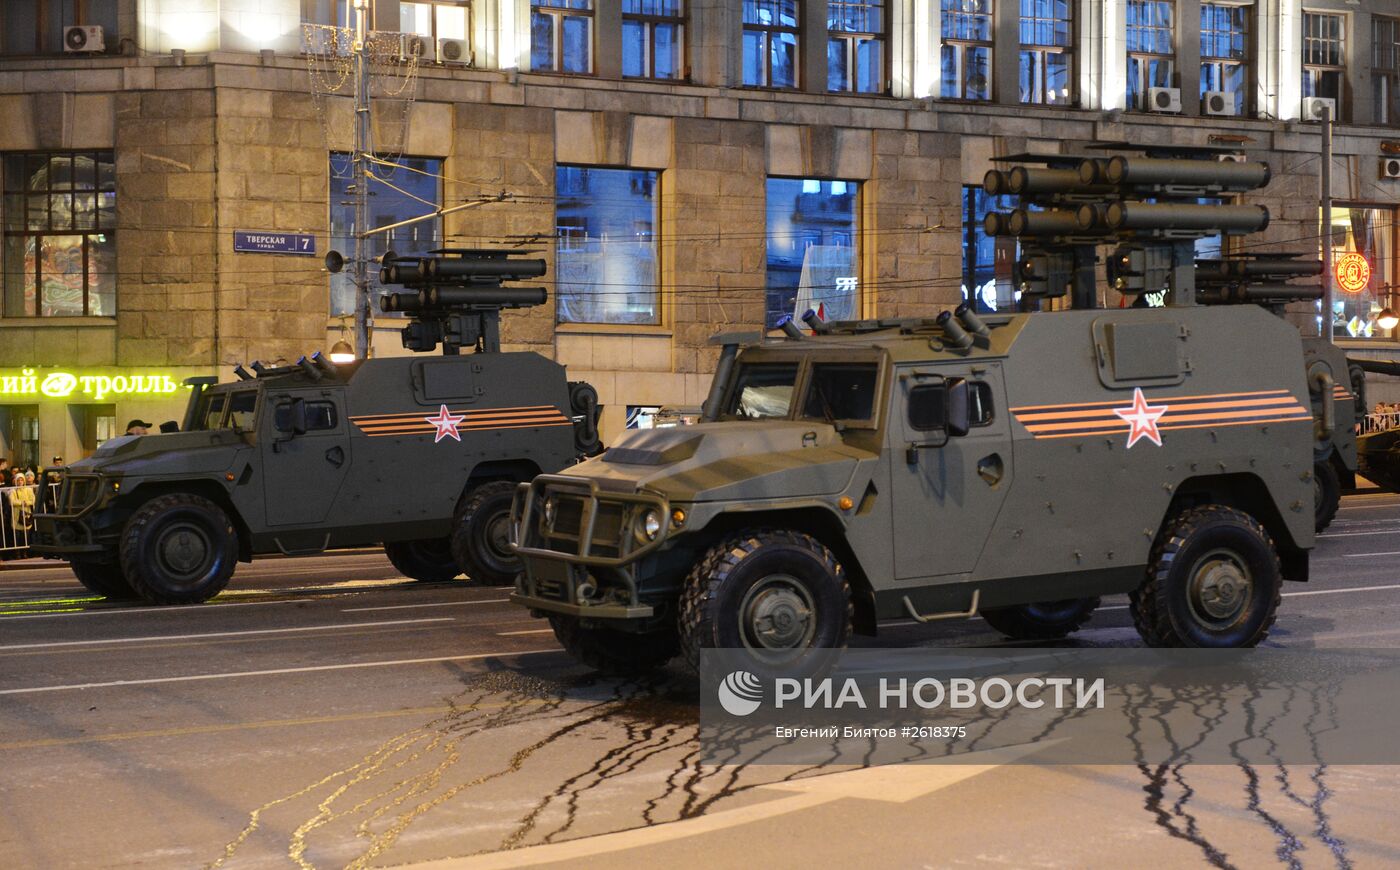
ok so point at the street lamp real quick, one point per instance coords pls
(342, 352)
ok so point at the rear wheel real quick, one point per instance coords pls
(616, 653)
(1327, 493)
(778, 594)
(426, 560)
(481, 534)
(1213, 581)
(179, 549)
(103, 578)
(1043, 620)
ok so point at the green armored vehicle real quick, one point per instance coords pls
(1012, 466)
(421, 453)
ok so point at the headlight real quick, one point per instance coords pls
(651, 524)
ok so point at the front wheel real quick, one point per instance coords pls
(1043, 620)
(179, 549)
(426, 560)
(1327, 494)
(103, 578)
(611, 652)
(1213, 581)
(778, 594)
(481, 534)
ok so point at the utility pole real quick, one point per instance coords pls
(360, 178)
(1326, 236)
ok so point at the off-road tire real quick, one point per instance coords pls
(428, 560)
(103, 578)
(1162, 607)
(179, 549)
(1043, 620)
(1327, 492)
(611, 652)
(480, 535)
(717, 587)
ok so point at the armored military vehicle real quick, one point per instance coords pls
(1013, 466)
(421, 453)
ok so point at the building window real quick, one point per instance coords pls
(813, 262)
(1385, 68)
(59, 214)
(966, 58)
(98, 424)
(438, 21)
(770, 43)
(36, 26)
(986, 268)
(561, 36)
(1151, 52)
(605, 264)
(1324, 57)
(1047, 55)
(1225, 52)
(402, 188)
(653, 39)
(1368, 230)
(855, 48)
(333, 13)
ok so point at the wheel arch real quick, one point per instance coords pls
(826, 527)
(203, 488)
(1246, 492)
(516, 470)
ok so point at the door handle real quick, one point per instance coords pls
(991, 469)
(335, 456)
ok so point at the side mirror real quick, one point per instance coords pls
(959, 419)
(298, 416)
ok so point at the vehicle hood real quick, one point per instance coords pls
(728, 461)
(165, 453)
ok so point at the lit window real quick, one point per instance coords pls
(812, 258)
(770, 43)
(1225, 52)
(408, 187)
(436, 22)
(1151, 51)
(1047, 55)
(855, 52)
(1324, 57)
(653, 39)
(605, 264)
(1367, 230)
(1385, 68)
(561, 36)
(966, 57)
(59, 216)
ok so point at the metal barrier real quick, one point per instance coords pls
(17, 507)
(1381, 422)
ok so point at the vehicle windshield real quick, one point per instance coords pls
(763, 390)
(241, 407)
(209, 412)
(841, 391)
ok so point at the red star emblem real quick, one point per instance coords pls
(446, 424)
(1142, 417)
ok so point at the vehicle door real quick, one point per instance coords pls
(948, 483)
(305, 454)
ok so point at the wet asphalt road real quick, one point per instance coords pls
(326, 712)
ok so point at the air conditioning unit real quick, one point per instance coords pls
(1218, 103)
(1313, 106)
(1232, 158)
(83, 39)
(454, 51)
(1390, 167)
(1164, 99)
(412, 45)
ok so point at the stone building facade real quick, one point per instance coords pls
(216, 120)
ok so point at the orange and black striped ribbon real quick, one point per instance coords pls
(1182, 412)
(495, 418)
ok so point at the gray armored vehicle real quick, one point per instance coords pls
(421, 453)
(1010, 466)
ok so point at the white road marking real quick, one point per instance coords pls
(529, 631)
(214, 634)
(1395, 531)
(1300, 594)
(433, 604)
(273, 672)
(888, 783)
(120, 611)
(1359, 555)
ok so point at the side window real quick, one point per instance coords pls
(213, 410)
(320, 416)
(926, 408)
(980, 402)
(241, 410)
(841, 392)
